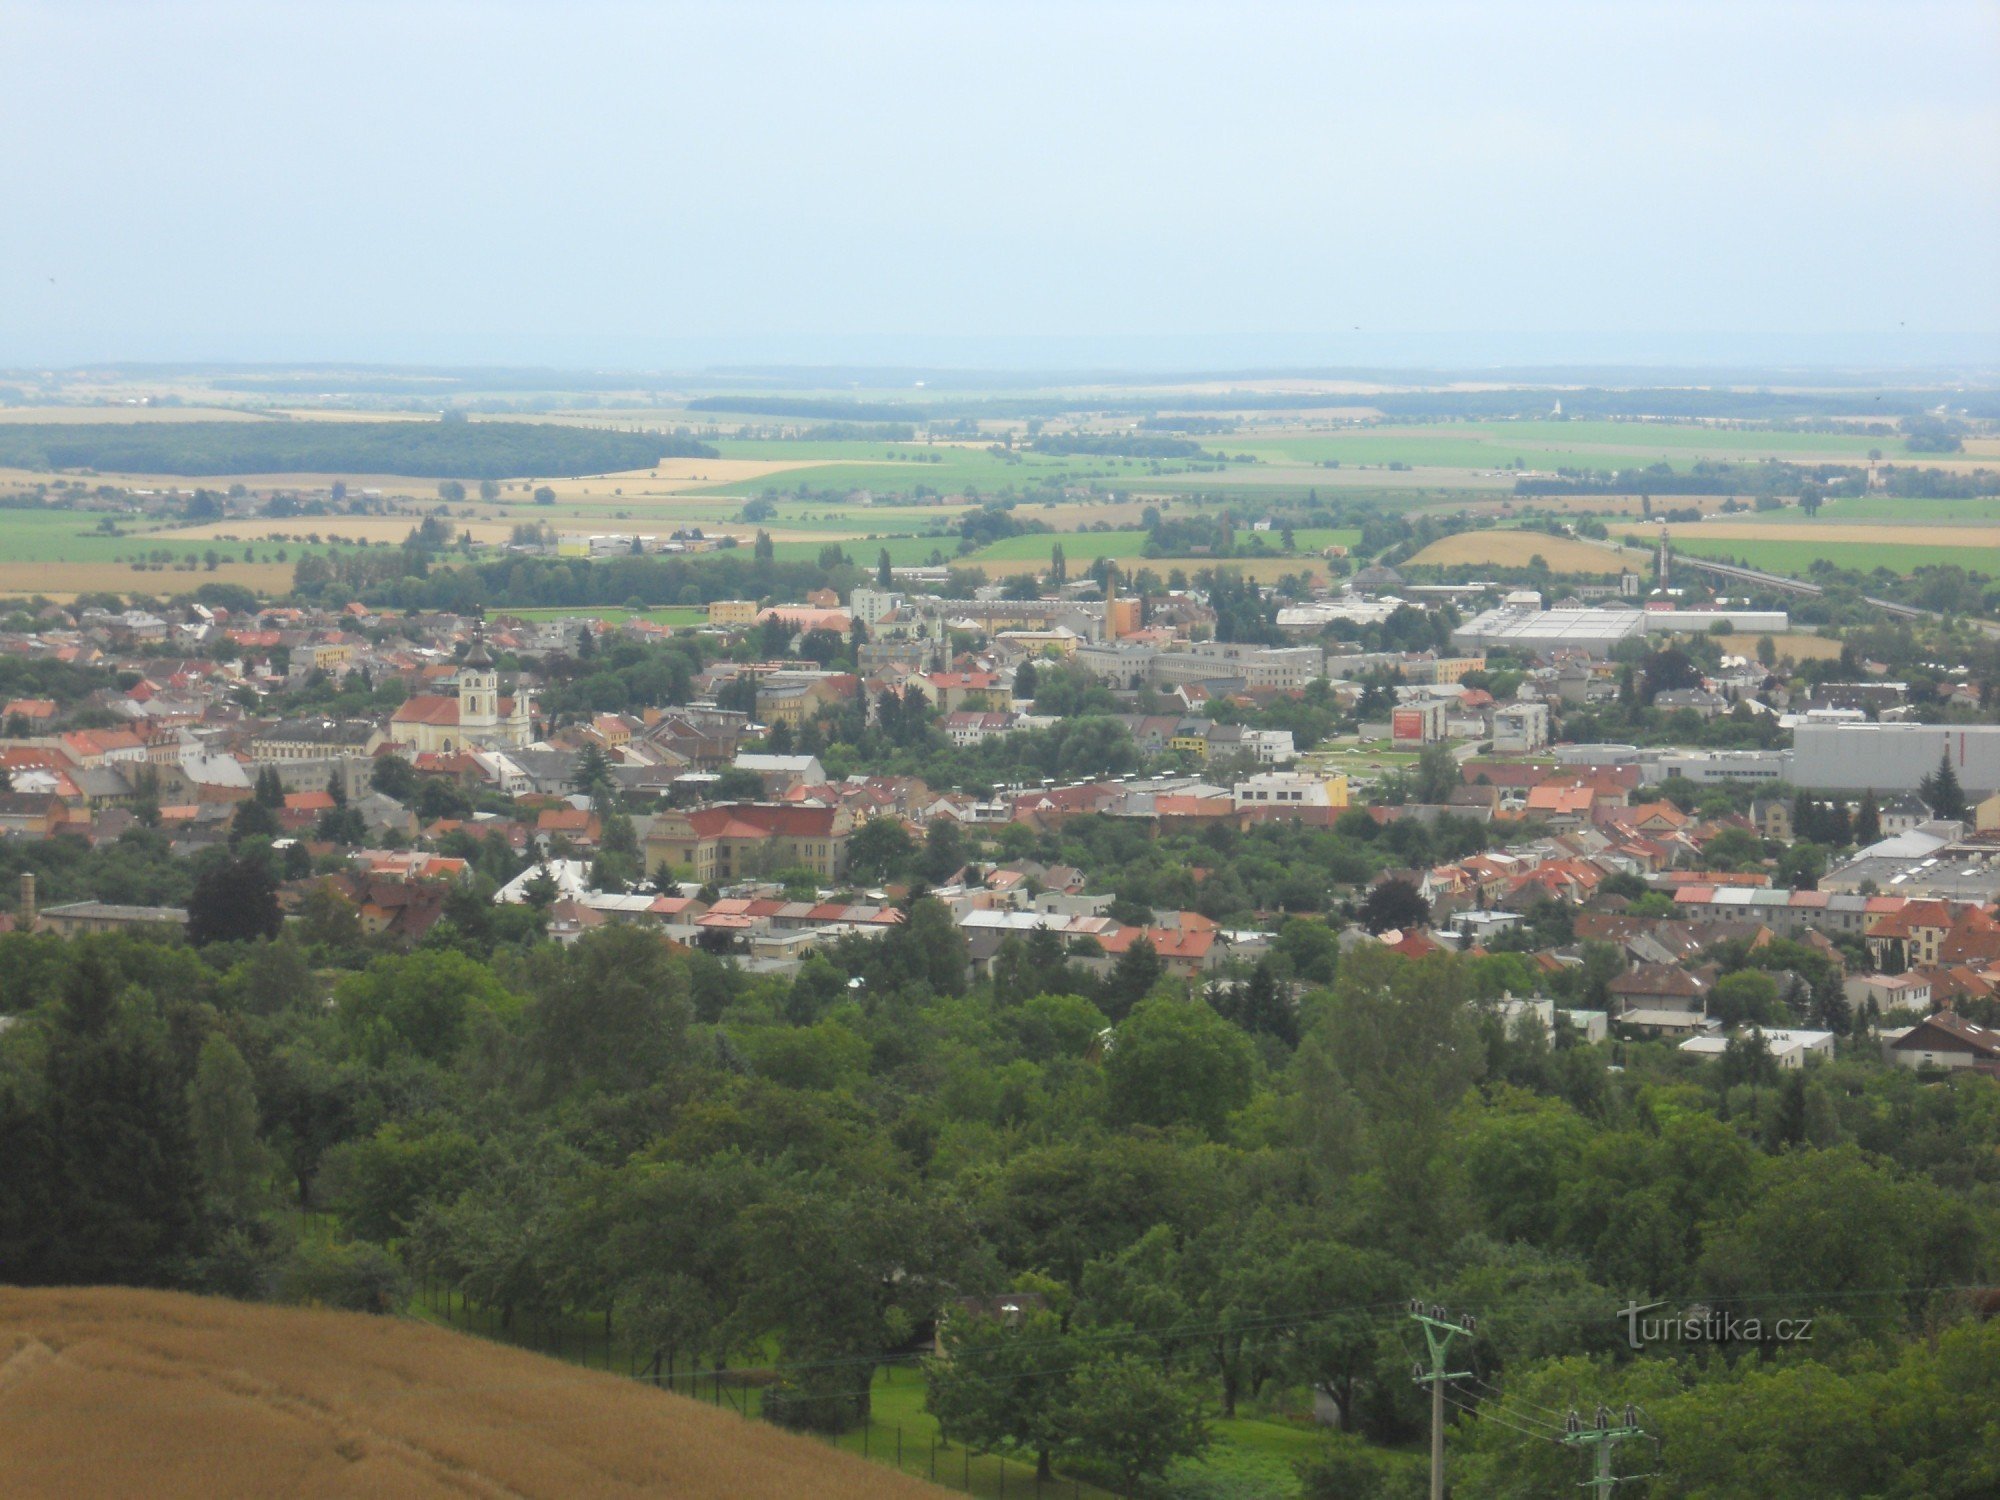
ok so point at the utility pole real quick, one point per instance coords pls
(1439, 1331)
(1603, 1436)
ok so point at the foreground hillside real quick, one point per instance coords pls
(117, 1392)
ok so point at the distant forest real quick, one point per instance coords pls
(433, 450)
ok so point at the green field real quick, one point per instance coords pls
(898, 468)
(1081, 548)
(669, 614)
(1552, 445)
(1985, 510)
(1797, 558)
(904, 551)
(31, 536)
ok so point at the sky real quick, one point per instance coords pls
(667, 185)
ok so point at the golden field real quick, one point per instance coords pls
(111, 1391)
(62, 581)
(1797, 646)
(1513, 549)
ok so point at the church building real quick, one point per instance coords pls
(478, 718)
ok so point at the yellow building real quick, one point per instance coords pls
(476, 718)
(732, 612)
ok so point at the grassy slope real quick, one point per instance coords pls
(121, 1392)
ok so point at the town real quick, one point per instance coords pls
(1112, 752)
(733, 808)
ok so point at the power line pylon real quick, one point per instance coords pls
(1603, 1437)
(1439, 1331)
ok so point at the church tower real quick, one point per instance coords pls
(478, 689)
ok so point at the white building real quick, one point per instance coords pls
(1289, 789)
(1521, 728)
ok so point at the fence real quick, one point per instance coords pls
(915, 1450)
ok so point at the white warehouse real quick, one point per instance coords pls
(1893, 757)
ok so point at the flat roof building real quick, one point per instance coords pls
(1595, 631)
(1893, 757)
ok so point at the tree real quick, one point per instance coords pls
(419, 1003)
(1382, 1070)
(254, 820)
(1003, 1382)
(222, 1105)
(885, 577)
(1058, 566)
(1868, 819)
(608, 1013)
(489, 490)
(1176, 1062)
(1133, 976)
(1941, 792)
(1394, 903)
(102, 1180)
(544, 495)
(1258, 1005)
(1667, 669)
(1025, 678)
(234, 901)
(1436, 774)
(1128, 1414)
(393, 776)
(880, 849)
(451, 490)
(762, 550)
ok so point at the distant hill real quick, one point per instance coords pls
(424, 450)
(110, 1391)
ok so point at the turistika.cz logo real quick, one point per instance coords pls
(1708, 1325)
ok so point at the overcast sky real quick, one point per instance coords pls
(660, 183)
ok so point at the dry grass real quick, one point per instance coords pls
(1797, 646)
(391, 529)
(65, 580)
(1513, 549)
(120, 1392)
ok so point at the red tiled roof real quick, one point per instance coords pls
(427, 708)
(762, 820)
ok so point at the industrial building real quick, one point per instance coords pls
(1661, 621)
(1541, 631)
(1893, 757)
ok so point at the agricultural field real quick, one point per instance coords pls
(61, 553)
(1796, 557)
(1861, 509)
(1517, 549)
(217, 1399)
(1795, 646)
(1554, 445)
(61, 582)
(672, 615)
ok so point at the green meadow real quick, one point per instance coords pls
(1797, 558)
(1552, 445)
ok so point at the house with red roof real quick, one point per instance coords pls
(734, 841)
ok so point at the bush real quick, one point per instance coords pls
(355, 1276)
(818, 1405)
(1348, 1469)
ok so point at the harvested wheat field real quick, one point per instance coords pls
(65, 580)
(375, 529)
(1514, 549)
(110, 1391)
(1796, 646)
